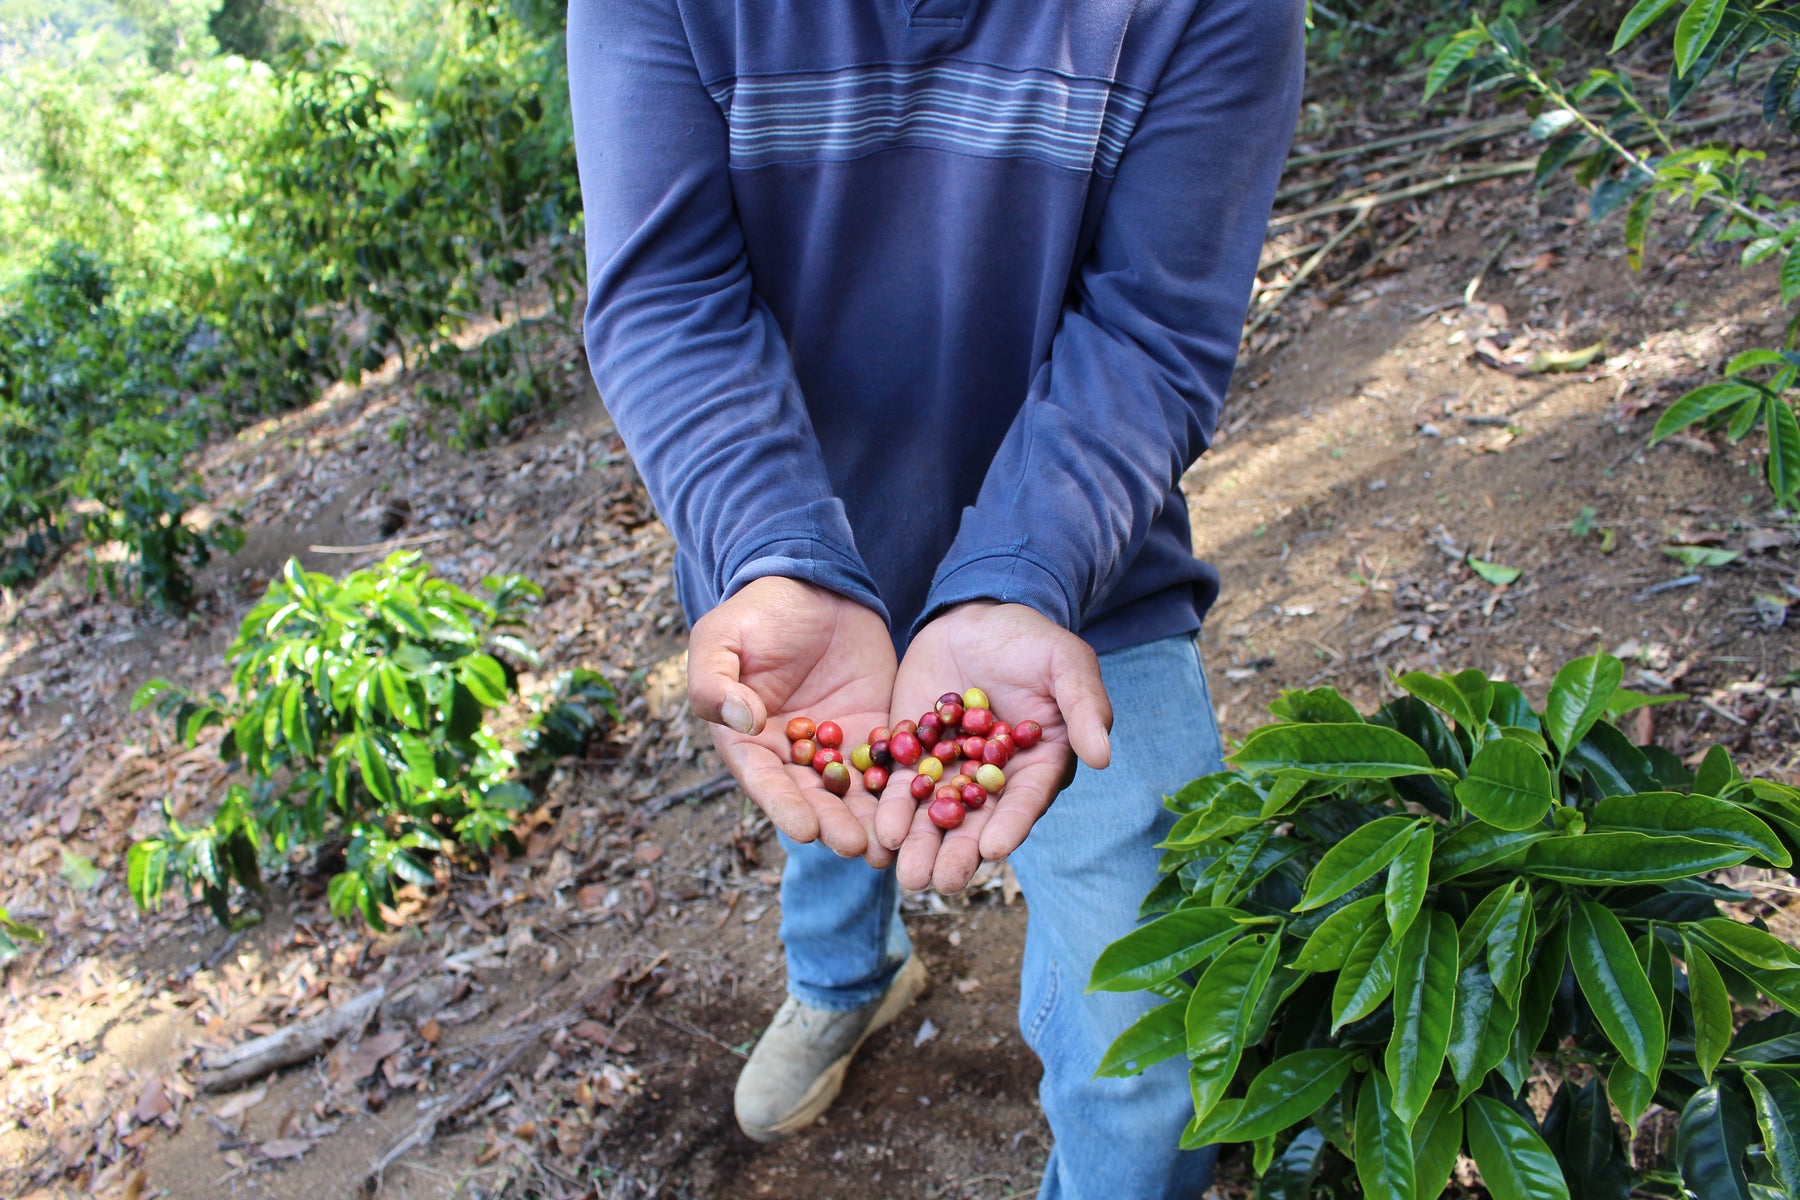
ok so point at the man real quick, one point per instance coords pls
(912, 314)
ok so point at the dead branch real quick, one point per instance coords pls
(234, 1066)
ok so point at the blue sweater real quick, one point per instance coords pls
(927, 301)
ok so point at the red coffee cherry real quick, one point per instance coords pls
(905, 727)
(825, 756)
(804, 750)
(973, 795)
(1027, 733)
(905, 748)
(972, 747)
(952, 713)
(978, 721)
(875, 778)
(948, 750)
(921, 787)
(946, 812)
(837, 778)
(880, 733)
(800, 727)
(997, 751)
(830, 733)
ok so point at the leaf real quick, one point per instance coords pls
(1287, 1091)
(1384, 1155)
(1632, 1092)
(1578, 697)
(1710, 1141)
(1330, 943)
(1711, 1007)
(79, 873)
(1437, 1140)
(1580, 1131)
(1357, 858)
(1443, 695)
(1165, 948)
(146, 873)
(1790, 277)
(1481, 1026)
(1513, 1160)
(485, 678)
(1477, 845)
(1159, 1034)
(1777, 1101)
(1334, 751)
(1291, 1178)
(1509, 945)
(1784, 444)
(1542, 983)
(1616, 987)
(1494, 573)
(1424, 999)
(1747, 944)
(1699, 818)
(1457, 51)
(1695, 29)
(377, 776)
(1698, 405)
(1551, 361)
(1407, 879)
(1508, 785)
(1702, 556)
(1218, 1014)
(1626, 857)
(1637, 226)
(1367, 977)
(1642, 15)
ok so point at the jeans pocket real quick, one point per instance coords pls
(1046, 1007)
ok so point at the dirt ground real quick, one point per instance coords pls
(580, 1011)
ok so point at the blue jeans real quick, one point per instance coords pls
(1085, 868)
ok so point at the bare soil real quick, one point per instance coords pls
(1382, 430)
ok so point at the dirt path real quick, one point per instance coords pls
(1368, 446)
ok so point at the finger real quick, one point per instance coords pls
(1027, 796)
(1081, 698)
(838, 827)
(768, 783)
(894, 816)
(714, 690)
(960, 855)
(912, 866)
(867, 810)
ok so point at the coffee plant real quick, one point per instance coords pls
(362, 722)
(1378, 939)
(1624, 146)
(11, 934)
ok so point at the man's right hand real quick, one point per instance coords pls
(779, 649)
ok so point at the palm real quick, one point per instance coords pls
(803, 652)
(1025, 665)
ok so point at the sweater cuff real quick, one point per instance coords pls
(815, 546)
(1009, 575)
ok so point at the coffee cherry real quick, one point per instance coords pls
(800, 727)
(830, 733)
(973, 795)
(933, 767)
(931, 729)
(880, 733)
(978, 721)
(996, 752)
(1006, 740)
(905, 727)
(825, 756)
(972, 747)
(946, 812)
(880, 755)
(861, 759)
(837, 778)
(948, 698)
(1027, 733)
(952, 713)
(905, 748)
(875, 778)
(921, 787)
(1000, 729)
(956, 781)
(991, 778)
(974, 698)
(804, 749)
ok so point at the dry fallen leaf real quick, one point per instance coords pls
(152, 1102)
(285, 1148)
(233, 1107)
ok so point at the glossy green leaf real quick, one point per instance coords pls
(1542, 982)
(1699, 21)
(377, 776)
(1407, 878)
(1424, 1000)
(1367, 977)
(1292, 1176)
(1616, 986)
(1618, 856)
(1219, 1012)
(1478, 845)
(1777, 1100)
(1287, 1091)
(1165, 948)
(1437, 1140)
(1513, 1160)
(1700, 818)
(1443, 695)
(1711, 1138)
(1509, 944)
(485, 678)
(1578, 697)
(1479, 924)
(146, 872)
(1643, 14)
(1711, 1007)
(1384, 1153)
(1334, 751)
(1508, 785)
(1632, 1091)
(1329, 945)
(1784, 440)
(1159, 1034)
(1746, 944)
(1357, 858)
(1457, 51)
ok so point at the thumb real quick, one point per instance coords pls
(1081, 697)
(715, 692)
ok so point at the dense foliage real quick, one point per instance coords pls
(362, 721)
(1377, 934)
(222, 236)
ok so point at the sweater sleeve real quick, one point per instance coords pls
(1130, 394)
(689, 362)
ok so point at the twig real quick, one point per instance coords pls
(1720, 711)
(1312, 264)
(1376, 200)
(1482, 128)
(1468, 296)
(400, 543)
(222, 1070)
(696, 1031)
(1668, 586)
(706, 789)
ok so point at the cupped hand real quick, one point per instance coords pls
(1031, 669)
(779, 649)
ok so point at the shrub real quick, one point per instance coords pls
(1374, 934)
(361, 719)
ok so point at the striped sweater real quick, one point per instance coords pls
(927, 301)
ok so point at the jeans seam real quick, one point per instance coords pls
(1052, 988)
